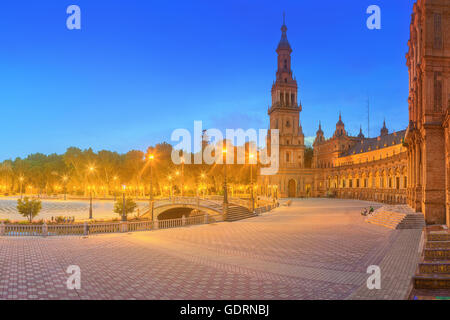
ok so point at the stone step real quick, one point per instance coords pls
(412, 221)
(436, 254)
(236, 213)
(437, 244)
(424, 294)
(438, 236)
(431, 281)
(397, 220)
(410, 226)
(386, 219)
(434, 267)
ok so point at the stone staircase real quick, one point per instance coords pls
(412, 221)
(432, 279)
(397, 217)
(236, 213)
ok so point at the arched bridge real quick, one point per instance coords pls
(184, 206)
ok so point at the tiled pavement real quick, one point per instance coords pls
(315, 249)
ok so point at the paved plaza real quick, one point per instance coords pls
(314, 249)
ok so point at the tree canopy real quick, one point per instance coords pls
(104, 172)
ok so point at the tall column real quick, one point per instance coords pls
(433, 197)
(417, 205)
(447, 171)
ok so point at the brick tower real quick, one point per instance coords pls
(285, 116)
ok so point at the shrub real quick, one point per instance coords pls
(29, 208)
(130, 206)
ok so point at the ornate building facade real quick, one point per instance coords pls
(410, 166)
(427, 136)
(359, 167)
(342, 166)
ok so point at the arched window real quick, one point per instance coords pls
(287, 156)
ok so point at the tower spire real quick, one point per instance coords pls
(368, 117)
(284, 43)
(361, 134)
(384, 131)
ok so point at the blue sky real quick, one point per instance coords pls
(137, 70)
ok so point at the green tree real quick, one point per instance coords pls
(130, 206)
(29, 208)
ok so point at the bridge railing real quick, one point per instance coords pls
(266, 208)
(194, 201)
(214, 201)
(260, 202)
(18, 230)
(21, 230)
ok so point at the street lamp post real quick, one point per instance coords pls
(177, 173)
(150, 158)
(91, 169)
(90, 203)
(225, 189)
(251, 156)
(182, 175)
(124, 215)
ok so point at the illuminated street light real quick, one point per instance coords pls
(251, 156)
(91, 170)
(124, 216)
(225, 190)
(150, 158)
(182, 175)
